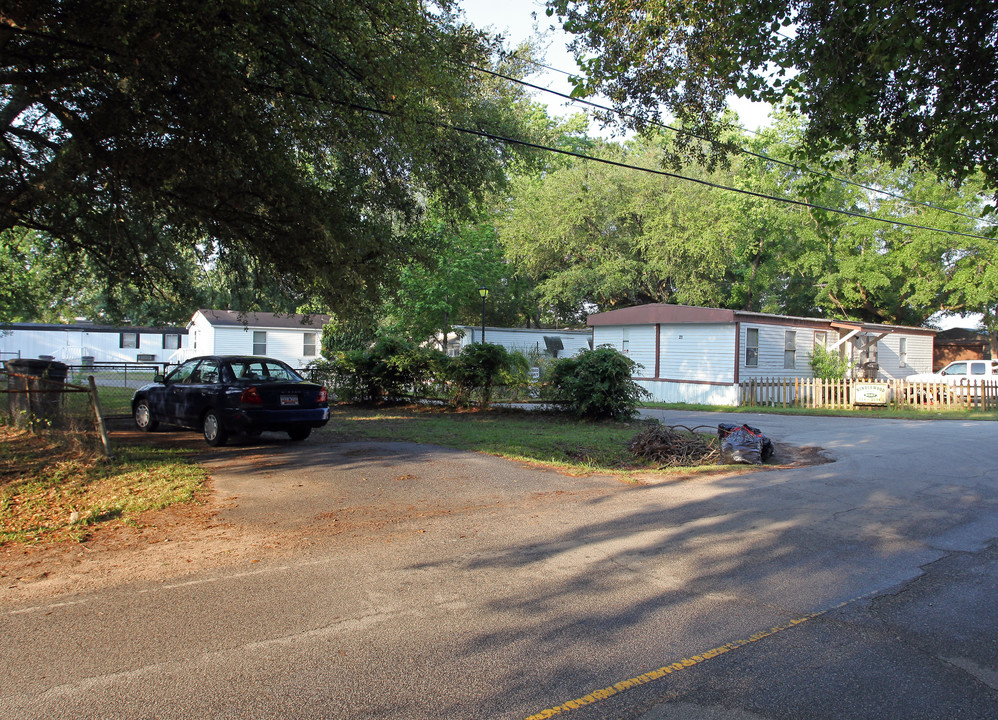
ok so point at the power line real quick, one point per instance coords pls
(539, 64)
(664, 173)
(712, 141)
(717, 186)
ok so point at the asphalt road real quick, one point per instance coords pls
(439, 584)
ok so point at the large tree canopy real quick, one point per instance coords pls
(598, 236)
(910, 79)
(305, 135)
(38, 286)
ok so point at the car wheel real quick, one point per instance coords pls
(215, 433)
(143, 417)
(299, 433)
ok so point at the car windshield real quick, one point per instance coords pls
(263, 371)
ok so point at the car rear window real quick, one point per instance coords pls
(263, 371)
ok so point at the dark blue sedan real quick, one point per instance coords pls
(225, 394)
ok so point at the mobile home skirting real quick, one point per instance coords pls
(690, 391)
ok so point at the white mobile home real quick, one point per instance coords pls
(87, 344)
(294, 339)
(529, 341)
(700, 355)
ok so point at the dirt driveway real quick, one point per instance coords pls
(270, 497)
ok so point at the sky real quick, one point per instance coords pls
(515, 19)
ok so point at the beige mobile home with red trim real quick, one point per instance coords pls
(700, 355)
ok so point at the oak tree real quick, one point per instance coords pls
(305, 135)
(905, 79)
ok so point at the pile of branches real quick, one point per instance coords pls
(675, 446)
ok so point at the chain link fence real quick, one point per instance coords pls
(116, 383)
(71, 403)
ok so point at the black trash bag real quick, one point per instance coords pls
(743, 444)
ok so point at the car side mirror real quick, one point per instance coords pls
(158, 379)
(942, 372)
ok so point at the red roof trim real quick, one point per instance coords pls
(660, 313)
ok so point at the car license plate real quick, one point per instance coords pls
(289, 399)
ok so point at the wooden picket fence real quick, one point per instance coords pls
(792, 392)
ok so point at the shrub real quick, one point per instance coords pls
(353, 375)
(482, 366)
(828, 365)
(388, 372)
(392, 369)
(321, 371)
(340, 337)
(596, 384)
(413, 369)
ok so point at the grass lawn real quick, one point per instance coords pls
(50, 491)
(534, 436)
(113, 401)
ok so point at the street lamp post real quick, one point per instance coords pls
(484, 292)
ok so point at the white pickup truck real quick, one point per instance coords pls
(960, 373)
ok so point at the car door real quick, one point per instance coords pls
(175, 393)
(200, 391)
(978, 371)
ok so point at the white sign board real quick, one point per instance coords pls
(869, 393)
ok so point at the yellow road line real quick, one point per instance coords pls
(624, 685)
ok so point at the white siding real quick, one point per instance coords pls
(103, 347)
(919, 355)
(574, 344)
(702, 354)
(604, 335)
(772, 344)
(635, 341)
(771, 349)
(697, 352)
(697, 361)
(30, 344)
(700, 393)
(282, 344)
(289, 345)
(231, 341)
(527, 340)
(202, 335)
(507, 337)
(72, 345)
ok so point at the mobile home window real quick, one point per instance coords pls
(790, 350)
(752, 347)
(259, 342)
(308, 348)
(625, 341)
(903, 352)
(171, 342)
(129, 340)
(820, 339)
